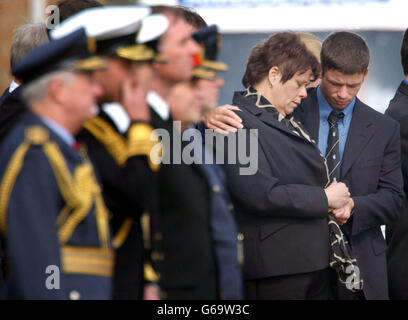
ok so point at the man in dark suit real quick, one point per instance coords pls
(396, 233)
(188, 266)
(370, 164)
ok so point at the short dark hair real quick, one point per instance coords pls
(186, 13)
(283, 50)
(68, 8)
(345, 52)
(404, 52)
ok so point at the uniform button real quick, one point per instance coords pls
(216, 188)
(240, 237)
(74, 295)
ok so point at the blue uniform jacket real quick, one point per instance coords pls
(34, 250)
(224, 232)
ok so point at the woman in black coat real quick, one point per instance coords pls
(282, 208)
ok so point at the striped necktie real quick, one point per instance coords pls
(333, 150)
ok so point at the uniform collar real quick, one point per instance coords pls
(60, 131)
(118, 115)
(13, 86)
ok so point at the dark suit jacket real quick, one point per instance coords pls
(185, 223)
(397, 232)
(4, 95)
(282, 209)
(371, 168)
(10, 110)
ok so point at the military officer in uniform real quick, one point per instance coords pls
(52, 216)
(118, 138)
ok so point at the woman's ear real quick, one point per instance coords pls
(274, 75)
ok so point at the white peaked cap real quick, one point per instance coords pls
(153, 26)
(104, 22)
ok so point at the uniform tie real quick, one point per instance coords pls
(333, 150)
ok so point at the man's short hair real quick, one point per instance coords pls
(404, 52)
(68, 8)
(37, 89)
(345, 52)
(186, 13)
(26, 38)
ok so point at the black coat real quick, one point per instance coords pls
(282, 209)
(11, 108)
(397, 238)
(184, 219)
(371, 168)
(129, 190)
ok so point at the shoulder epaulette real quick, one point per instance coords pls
(114, 143)
(34, 135)
(137, 143)
(140, 143)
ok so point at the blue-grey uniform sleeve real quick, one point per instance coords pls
(32, 243)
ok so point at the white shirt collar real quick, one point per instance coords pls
(118, 115)
(13, 86)
(159, 105)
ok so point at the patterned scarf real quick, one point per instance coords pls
(341, 259)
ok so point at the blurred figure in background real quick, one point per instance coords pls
(314, 45)
(26, 38)
(397, 233)
(68, 8)
(188, 263)
(118, 138)
(187, 102)
(206, 74)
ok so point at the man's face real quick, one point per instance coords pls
(111, 79)
(185, 104)
(339, 89)
(210, 91)
(178, 49)
(80, 97)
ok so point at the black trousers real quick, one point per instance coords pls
(206, 289)
(306, 286)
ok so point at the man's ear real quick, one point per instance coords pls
(56, 90)
(365, 74)
(274, 75)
